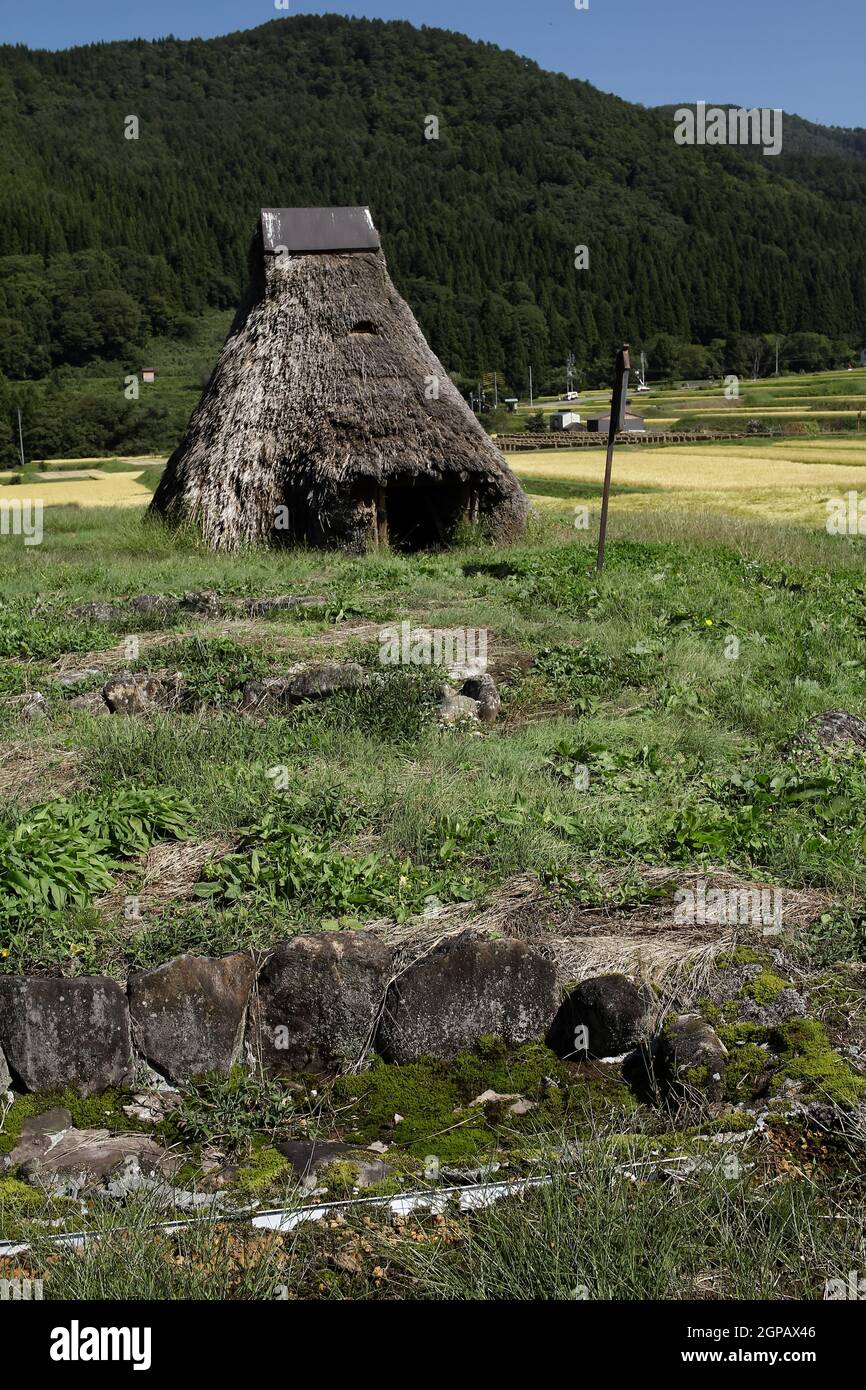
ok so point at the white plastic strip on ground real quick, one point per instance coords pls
(469, 1198)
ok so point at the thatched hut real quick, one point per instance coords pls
(328, 419)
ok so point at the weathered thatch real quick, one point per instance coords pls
(328, 419)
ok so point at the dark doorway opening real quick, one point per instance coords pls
(420, 515)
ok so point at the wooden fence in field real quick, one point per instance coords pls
(584, 439)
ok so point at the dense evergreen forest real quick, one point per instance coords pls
(695, 253)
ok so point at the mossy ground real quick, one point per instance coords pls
(264, 1170)
(798, 1050)
(433, 1099)
(102, 1111)
(765, 988)
(19, 1197)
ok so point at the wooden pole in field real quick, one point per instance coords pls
(617, 422)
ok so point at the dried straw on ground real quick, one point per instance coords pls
(330, 421)
(643, 941)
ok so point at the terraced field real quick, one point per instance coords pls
(774, 480)
(833, 397)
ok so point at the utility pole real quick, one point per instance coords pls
(530, 388)
(495, 393)
(21, 439)
(617, 422)
(777, 357)
(569, 374)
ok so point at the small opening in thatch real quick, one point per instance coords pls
(364, 326)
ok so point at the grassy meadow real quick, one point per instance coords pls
(726, 616)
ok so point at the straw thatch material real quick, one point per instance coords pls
(324, 404)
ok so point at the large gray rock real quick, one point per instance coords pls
(465, 989)
(610, 1008)
(98, 612)
(691, 1058)
(76, 675)
(454, 708)
(153, 606)
(28, 706)
(58, 1032)
(141, 692)
(317, 1001)
(314, 683)
(5, 1075)
(188, 1015)
(91, 702)
(309, 1157)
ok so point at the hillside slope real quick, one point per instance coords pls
(105, 240)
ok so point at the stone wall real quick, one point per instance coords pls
(314, 1003)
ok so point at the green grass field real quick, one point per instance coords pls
(675, 678)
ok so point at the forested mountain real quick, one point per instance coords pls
(105, 240)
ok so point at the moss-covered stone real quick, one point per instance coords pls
(264, 1169)
(103, 1111)
(797, 1050)
(698, 1077)
(810, 1057)
(340, 1178)
(691, 1059)
(765, 988)
(748, 1062)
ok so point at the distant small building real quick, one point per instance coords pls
(564, 420)
(634, 424)
(148, 374)
(511, 402)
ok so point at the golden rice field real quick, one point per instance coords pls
(783, 480)
(786, 481)
(105, 490)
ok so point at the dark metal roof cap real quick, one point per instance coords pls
(318, 229)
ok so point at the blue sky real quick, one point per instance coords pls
(801, 55)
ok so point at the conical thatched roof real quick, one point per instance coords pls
(328, 418)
